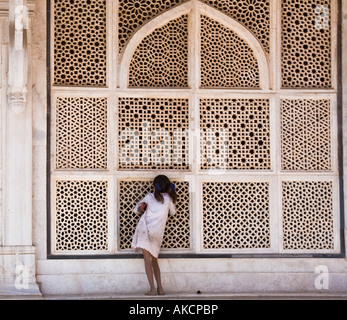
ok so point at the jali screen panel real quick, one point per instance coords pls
(236, 215)
(306, 44)
(80, 43)
(235, 134)
(177, 232)
(306, 134)
(81, 133)
(308, 222)
(227, 61)
(153, 133)
(161, 59)
(81, 222)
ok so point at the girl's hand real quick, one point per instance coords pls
(142, 207)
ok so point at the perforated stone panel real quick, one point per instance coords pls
(307, 215)
(253, 14)
(306, 47)
(153, 133)
(80, 42)
(306, 135)
(81, 216)
(81, 133)
(161, 59)
(236, 215)
(227, 61)
(177, 232)
(133, 14)
(235, 134)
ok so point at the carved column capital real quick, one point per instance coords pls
(17, 98)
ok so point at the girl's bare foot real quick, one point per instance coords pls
(161, 292)
(152, 292)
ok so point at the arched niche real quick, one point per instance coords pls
(194, 9)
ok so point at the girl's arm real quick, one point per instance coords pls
(137, 209)
(172, 209)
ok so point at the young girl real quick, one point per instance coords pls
(155, 208)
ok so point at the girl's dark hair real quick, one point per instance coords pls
(162, 184)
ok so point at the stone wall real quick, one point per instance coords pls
(74, 276)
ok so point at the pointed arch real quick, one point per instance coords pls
(203, 9)
(244, 34)
(143, 32)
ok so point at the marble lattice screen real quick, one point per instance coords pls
(235, 101)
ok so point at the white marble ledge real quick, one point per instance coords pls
(189, 266)
(9, 292)
(206, 296)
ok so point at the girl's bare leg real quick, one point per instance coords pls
(149, 272)
(157, 275)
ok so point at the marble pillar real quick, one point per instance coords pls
(17, 253)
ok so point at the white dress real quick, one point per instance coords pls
(151, 226)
